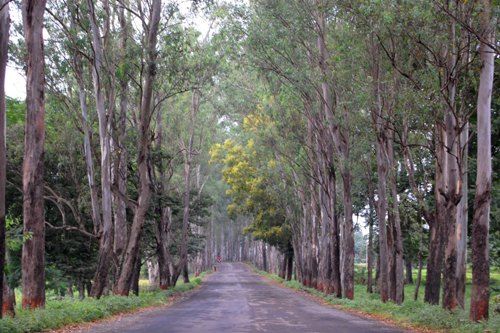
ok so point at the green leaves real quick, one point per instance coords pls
(15, 112)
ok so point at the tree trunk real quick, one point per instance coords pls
(105, 230)
(462, 217)
(396, 228)
(136, 275)
(282, 272)
(462, 209)
(369, 258)
(336, 283)
(185, 274)
(369, 250)
(311, 232)
(153, 273)
(326, 217)
(341, 144)
(162, 232)
(382, 166)
(348, 237)
(188, 151)
(434, 265)
(69, 289)
(382, 211)
(4, 43)
(8, 300)
(88, 286)
(391, 255)
(289, 267)
(480, 223)
(335, 245)
(419, 278)
(162, 227)
(186, 199)
(81, 289)
(120, 169)
(450, 259)
(420, 265)
(409, 271)
(87, 146)
(264, 257)
(450, 254)
(33, 253)
(435, 258)
(453, 189)
(131, 254)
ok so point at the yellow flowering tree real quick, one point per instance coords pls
(254, 183)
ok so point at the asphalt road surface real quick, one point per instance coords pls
(234, 299)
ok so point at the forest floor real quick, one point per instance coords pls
(413, 315)
(235, 299)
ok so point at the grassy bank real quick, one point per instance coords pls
(67, 311)
(411, 314)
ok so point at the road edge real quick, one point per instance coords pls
(324, 301)
(170, 301)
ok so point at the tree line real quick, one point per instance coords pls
(146, 142)
(380, 109)
(106, 164)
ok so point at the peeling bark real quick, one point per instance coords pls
(435, 258)
(453, 185)
(480, 223)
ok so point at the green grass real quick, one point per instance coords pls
(59, 313)
(494, 275)
(416, 314)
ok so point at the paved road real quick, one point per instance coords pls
(236, 300)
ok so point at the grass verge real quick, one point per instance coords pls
(411, 314)
(60, 313)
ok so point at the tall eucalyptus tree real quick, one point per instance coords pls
(4, 46)
(33, 256)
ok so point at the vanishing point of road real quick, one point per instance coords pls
(233, 300)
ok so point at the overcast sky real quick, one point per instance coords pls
(15, 84)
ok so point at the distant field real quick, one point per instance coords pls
(494, 278)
